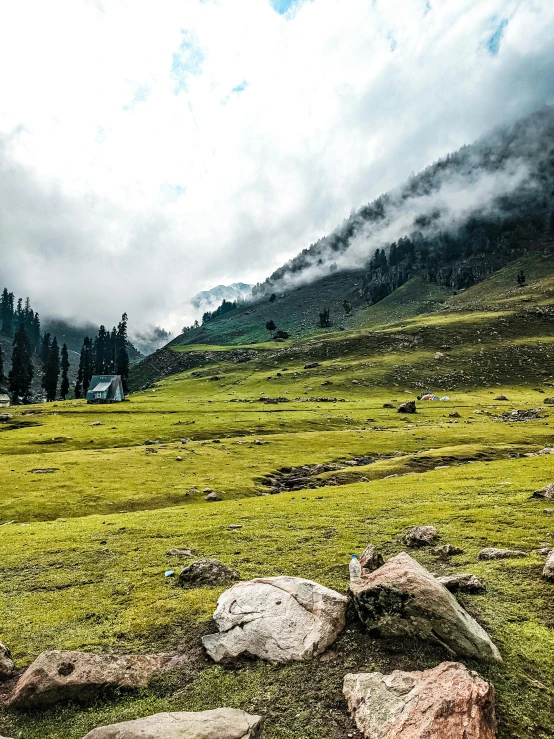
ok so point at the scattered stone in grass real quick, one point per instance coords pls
(206, 572)
(464, 583)
(546, 492)
(311, 365)
(501, 397)
(388, 405)
(446, 550)
(521, 415)
(44, 470)
(492, 553)
(276, 618)
(546, 450)
(235, 526)
(371, 559)
(223, 723)
(408, 407)
(7, 667)
(548, 571)
(212, 497)
(95, 423)
(447, 701)
(549, 401)
(549, 511)
(6, 416)
(181, 553)
(178, 459)
(454, 414)
(147, 442)
(402, 598)
(420, 536)
(80, 676)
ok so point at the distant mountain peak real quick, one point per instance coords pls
(210, 299)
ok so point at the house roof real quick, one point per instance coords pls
(100, 387)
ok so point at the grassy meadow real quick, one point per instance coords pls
(84, 547)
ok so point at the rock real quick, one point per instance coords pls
(222, 723)
(408, 407)
(206, 572)
(388, 405)
(548, 571)
(80, 676)
(371, 559)
(7, 667)
(96, 423)
(6, 416)
(493, 553)
(546, 492)
(501, 397)
(447, 702)
(463, 583)
(276, 618)
(546, 450)
(212, 497)
(403, 599)
(311, 365)
(454, 414)
(178, 459)
(548, 511)
(447, 550)
(549, 401)
(420, 536)
(181, 553)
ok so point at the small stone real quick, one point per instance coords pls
(548, 571)
(181, 553)
(7, 667)
(95, 423)
(463, 583)
(212, 497)
(420, 536)
(493, 553)
(454, 414)
(501, 397)
(371, 559)
(206, 572)
(446, 550)
(178, 459)
(235, 526)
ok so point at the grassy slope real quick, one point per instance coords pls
(82, 566)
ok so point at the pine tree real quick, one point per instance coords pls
(21, 373)
(35, 333)
(44, 354)
(88, 367)
(78, 389)
(64, 388)
(50, 379)
(121, 353)
(6, 313)
(113, 351)
(102, 352)
(3, 378)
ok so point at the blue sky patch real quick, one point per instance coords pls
(187, 60)
(493, 44)
(281, 6)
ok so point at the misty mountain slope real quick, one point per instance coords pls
(475, 201)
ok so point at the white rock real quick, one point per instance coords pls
(222, 723)
(276, 618)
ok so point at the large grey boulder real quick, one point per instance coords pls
(403, 599)
(222, 723)
(548, 571)
(206, 572)
(276, 618)
(546, 492)
(494, 553)
(80, 676)
(7, 667)
(447, 702)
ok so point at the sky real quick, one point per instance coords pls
(152, 150)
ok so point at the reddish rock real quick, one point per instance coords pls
(447, 702)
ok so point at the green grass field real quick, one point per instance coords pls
(84, 548)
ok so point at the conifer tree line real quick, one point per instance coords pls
(106, 354)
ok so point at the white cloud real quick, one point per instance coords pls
(132, 176)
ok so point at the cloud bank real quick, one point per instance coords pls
(149, 152)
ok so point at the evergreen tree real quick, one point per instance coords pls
(64, 388)
(101, 350)
(35, 332)
(50, 379)
(271, 327)
(6, 313)
(44, 354)
(78, 389)
(86, 366)
(21, 373)
(122, 353)
(3, 378)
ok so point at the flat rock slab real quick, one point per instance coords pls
(548, 571)
(493, 553)
(206, 572)
(465, 582)
(276, 618)
(222, 723)
(7, 667)
(79, 676)
(403, 599)
(447, 702)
